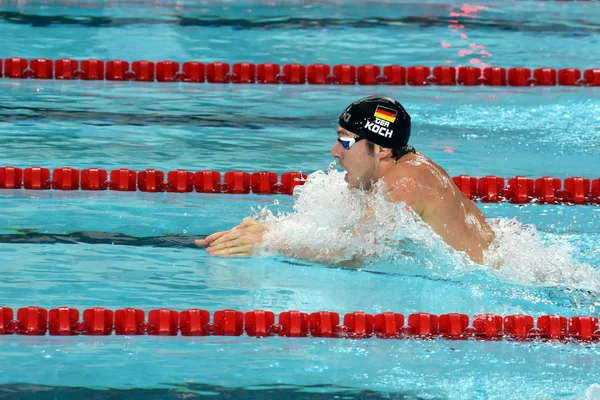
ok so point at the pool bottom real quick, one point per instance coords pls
(188, 391)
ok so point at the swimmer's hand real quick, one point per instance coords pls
(239, 241)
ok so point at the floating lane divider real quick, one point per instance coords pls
(65, 321)
(150, 180)
(315, 74)
(489, 189)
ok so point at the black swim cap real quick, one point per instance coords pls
(381, 120)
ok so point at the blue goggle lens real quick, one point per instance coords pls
(348, 142)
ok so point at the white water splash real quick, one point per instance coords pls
(341, 224)
(593, 392)
(523, 257)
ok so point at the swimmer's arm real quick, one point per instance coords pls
(338, 258)
(243, 240)
(247, 238)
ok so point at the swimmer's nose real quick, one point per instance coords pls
(336, 150)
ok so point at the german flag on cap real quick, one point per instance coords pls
(386, 114)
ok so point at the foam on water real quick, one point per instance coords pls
(593, 392)
(523, 257)
(339, 224)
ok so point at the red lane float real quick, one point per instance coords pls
(293, 74)
(522, 190)
(488, 189)
(92, 70)
(65, 321)
(150, 180)
(469, 76)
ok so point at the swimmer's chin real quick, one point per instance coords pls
(352, 185)
(347, 180)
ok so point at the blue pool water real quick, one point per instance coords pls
(477, 131)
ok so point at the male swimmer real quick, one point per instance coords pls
(372, 145)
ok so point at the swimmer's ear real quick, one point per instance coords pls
(383, 152)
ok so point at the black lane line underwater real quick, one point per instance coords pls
(583, 28)
(95, 237)
(14, 114)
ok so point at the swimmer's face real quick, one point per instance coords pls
(360, 166)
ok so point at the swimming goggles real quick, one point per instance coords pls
(348, 142)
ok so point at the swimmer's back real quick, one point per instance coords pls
(432, 194)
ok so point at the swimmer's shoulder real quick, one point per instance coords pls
(404, 182)
(416, 180)
(412, 167)
(422, 168)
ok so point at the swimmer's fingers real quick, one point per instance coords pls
(250, 234)
(249, 229)
(217, 235)
(246, 222)
(238, 251)
(209, 239)
(231, 241)
(227, 237)
(240, 246)
(201, 242)
(205, 242)
(244, 237)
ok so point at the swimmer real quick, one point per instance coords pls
(371, 146)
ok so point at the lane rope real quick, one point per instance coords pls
(273, 73)
(489, 189)
(66, 321)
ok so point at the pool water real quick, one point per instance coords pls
(476, 131)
